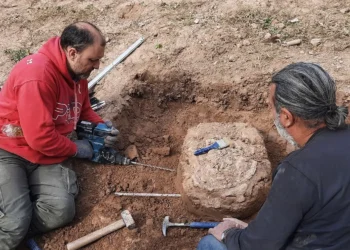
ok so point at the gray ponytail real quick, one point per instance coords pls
(336, 119)
(309, 92)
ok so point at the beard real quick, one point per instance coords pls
(81, 75)
(76, 75)
(84, 75)
(283, 132)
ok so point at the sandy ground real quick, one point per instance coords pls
(202, 61)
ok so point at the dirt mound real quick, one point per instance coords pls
(233, 181)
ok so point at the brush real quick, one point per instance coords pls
(220, 144)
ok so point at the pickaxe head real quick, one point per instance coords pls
(165, 224)
(128, 220)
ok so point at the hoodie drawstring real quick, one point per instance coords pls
(75, 106)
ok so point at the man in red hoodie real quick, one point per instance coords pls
(40, 104)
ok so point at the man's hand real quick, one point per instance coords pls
(227, 223)
(84, 149)
(111, 140)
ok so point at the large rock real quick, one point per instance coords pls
(229, 182)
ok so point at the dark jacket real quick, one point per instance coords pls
(308, 206)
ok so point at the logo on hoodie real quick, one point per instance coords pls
(66, 112)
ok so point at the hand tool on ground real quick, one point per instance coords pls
(167, 223)
(93, 100)
(146, 194)
(126, 221)
(220, 144)
(96, 134)
(98, 105)
(120, 58)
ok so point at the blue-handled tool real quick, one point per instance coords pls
(223, 143)
(167, 223)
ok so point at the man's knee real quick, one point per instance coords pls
(13, 230)
(54, 188)
(209, 242)
(52, 213)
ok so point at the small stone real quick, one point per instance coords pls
(108, 39)
(166, 138)
(280, 25)
(311, 52)
(131, 152)
(196, 21)
(132, 138)
(254, 25)
(237, 79)
(246, 42)
(315, 42)
(294, 20)
(345, 10)
(165, 151)
(293, 42)
(231, 58)
(239, 45)
(267, 36)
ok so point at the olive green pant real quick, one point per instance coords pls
(33, 197)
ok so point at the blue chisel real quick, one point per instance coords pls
(223, 143)
(167, 223)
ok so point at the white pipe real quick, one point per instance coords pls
(146, 194)
(121, 58)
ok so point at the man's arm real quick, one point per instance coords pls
(35, 104)
(292, 194)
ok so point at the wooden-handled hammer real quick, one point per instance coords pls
(126, 221)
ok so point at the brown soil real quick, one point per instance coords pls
(203, 61)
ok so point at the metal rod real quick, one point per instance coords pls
(98, 105)
(121, 58)
(151, 166)
(146, 194)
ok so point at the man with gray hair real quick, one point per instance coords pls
(308, 206)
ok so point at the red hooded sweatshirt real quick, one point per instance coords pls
(40, 97)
